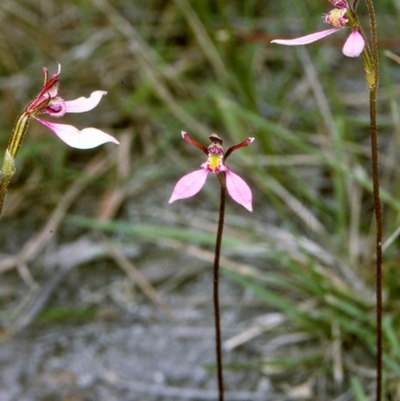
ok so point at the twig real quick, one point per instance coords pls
(137, 277)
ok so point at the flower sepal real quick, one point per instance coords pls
(87, 138)
(48, 93)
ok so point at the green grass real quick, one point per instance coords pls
(63, 315)
(194, 66)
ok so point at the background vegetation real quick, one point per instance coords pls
(207, 66)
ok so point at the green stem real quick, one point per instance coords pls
(218, 346)
(18, 133)
(7, 171)
(376, 194)
(8, 167)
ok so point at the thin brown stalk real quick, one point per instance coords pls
(378, 245)
(376, 194)
(218, 346)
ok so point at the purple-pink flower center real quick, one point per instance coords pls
(336, 18)
(56, 107)
(215, 163)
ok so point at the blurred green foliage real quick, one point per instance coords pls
(207, 66)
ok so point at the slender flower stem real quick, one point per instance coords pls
(376, 194)
(18, 133)
(378, 220)
(218, 347)
(8, 167)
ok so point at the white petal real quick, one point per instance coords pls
(87, 138)
(305, 40)
(83, 104)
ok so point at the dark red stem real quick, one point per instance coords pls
(218, 345)
(377, 200)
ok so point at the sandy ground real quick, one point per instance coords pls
(130, 349)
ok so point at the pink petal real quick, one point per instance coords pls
(83, 104)
(354, 44)
(238, 190)
(305, 40)
(189, 185)
(87, 138)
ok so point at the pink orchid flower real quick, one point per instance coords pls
(48, 101)
(190, 184)
(339, 18)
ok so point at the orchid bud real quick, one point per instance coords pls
(340, 3)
